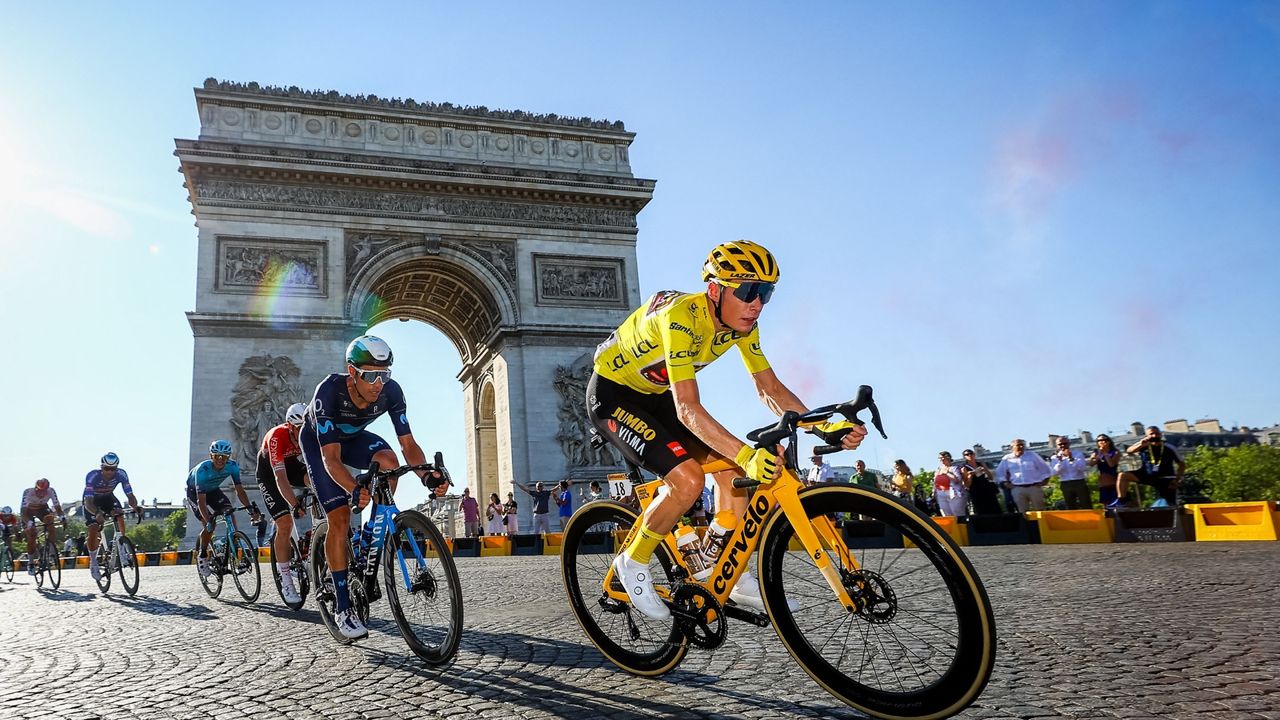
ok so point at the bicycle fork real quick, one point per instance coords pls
(814, 534)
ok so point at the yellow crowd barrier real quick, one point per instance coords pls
(1059, 527)
(1216, 522)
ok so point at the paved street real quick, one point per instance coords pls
(1087, 631)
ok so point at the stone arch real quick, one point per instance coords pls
(486, 429)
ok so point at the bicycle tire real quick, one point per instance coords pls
(129, 576)
(655, 652)
(298, 568)
(53, 564)
(7, 559)
(960, 601)
(212, 582)
(324, 581)
(104, 564)
(436, 645)
(243, 560)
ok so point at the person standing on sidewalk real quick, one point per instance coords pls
(470, 513)
(541, 507)
(1070, 466)
(564, 499)
(1025, 474)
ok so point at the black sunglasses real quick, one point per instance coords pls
(749, 291)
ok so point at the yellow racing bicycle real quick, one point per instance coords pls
(896, 632)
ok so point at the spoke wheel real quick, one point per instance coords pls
(422, 588)
(629, 639)
(244, 567)
(298, 568)
(213, 582)
(104, 564)
(922, 641)
(6, 563)
(52, 564)
(324, 581)
(128, 568)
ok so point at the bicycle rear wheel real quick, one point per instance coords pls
(53, 564)
(923, 644)
(423, 588)
(297, 567)
(243, 559)
(104, 564)
(128, 565)
(324, 581)
(6, 563)
(629, 639)
(213, 581)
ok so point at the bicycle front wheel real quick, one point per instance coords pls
(104, 564)
(630, 640)
(128, 565)
(297, 568)
(52, 564)
(7, 564)
(243, 559)
(213, 581)
(423, 588)
(923, 642)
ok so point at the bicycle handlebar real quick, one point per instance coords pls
(373, 474)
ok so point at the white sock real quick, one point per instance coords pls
(283, 569)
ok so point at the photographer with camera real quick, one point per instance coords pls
(1161, 468)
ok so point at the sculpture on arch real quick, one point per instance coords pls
(574, 432)
(268, 385)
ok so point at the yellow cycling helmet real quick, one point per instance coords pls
(740, 261)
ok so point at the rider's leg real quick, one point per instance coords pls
(683, 485)
(94, 531)
(336, 547)
(729, 497)
(29, 528)
(386, 460)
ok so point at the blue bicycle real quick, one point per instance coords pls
(235, 555)
(419, 575)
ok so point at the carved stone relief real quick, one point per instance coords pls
(574, 431)
(442, 207)
(258, 264)
(268, 385)
(576, 281)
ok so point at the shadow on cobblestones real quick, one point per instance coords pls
(64, 595)
(156, 606)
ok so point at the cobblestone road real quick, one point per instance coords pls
(1101, 631)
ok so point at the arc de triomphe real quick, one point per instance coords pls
(321, 214)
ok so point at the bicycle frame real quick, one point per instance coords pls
(818, 536)
(381, 521)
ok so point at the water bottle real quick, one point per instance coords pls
(718, 535)
(690, 548)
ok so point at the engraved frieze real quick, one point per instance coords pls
(282, 266)
(575, 281)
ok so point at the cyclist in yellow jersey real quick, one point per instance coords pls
(643, 397)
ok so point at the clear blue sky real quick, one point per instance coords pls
(1010, 218)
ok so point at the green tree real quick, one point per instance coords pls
(176, 527)
(148, 537)
(1243, 473)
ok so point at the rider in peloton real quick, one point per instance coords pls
(35, 506)
(334, 438)
(644, 399)
(100, 498)
(280, 475)
(204, 492)
(8, 526)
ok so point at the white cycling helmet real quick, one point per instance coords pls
(296, 414)
(369, 350)
(110, 460)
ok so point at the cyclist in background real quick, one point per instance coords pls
(644, 398)
(280, 475)
(334, 438)
(8, 526)
(100, 498)
(204, 493)
(35, 506)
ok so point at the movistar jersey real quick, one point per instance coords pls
(334, 417)
(667, 340)
(95, 483)
(205, 477)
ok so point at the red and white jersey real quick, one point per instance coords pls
(36, 498)
(278, 445)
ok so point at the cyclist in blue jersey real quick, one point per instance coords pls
(334, 437)
(204, 493)
(100, 499)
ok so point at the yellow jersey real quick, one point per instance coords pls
(667, 340)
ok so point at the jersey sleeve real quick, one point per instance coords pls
(277, 441)
(53, 495)
(124, 481)
(752, 355)
(682, 346)
(323, 403)
(398, 409)
(88, 483)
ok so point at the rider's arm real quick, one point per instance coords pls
(774, 394)
(695, 417)
(413, 454)
(282, 485)
(133, 501)
(203, 506)
(398, 409)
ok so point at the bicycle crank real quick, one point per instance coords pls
(699, 616)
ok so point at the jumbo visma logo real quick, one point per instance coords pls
(637, 425)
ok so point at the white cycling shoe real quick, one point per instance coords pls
(202, 567)
(747, 592)
(349, 624)
(636, 579)
(94, 572)
(287, 589)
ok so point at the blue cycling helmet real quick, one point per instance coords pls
(110, 460)
(369, 350)
(220, 447)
